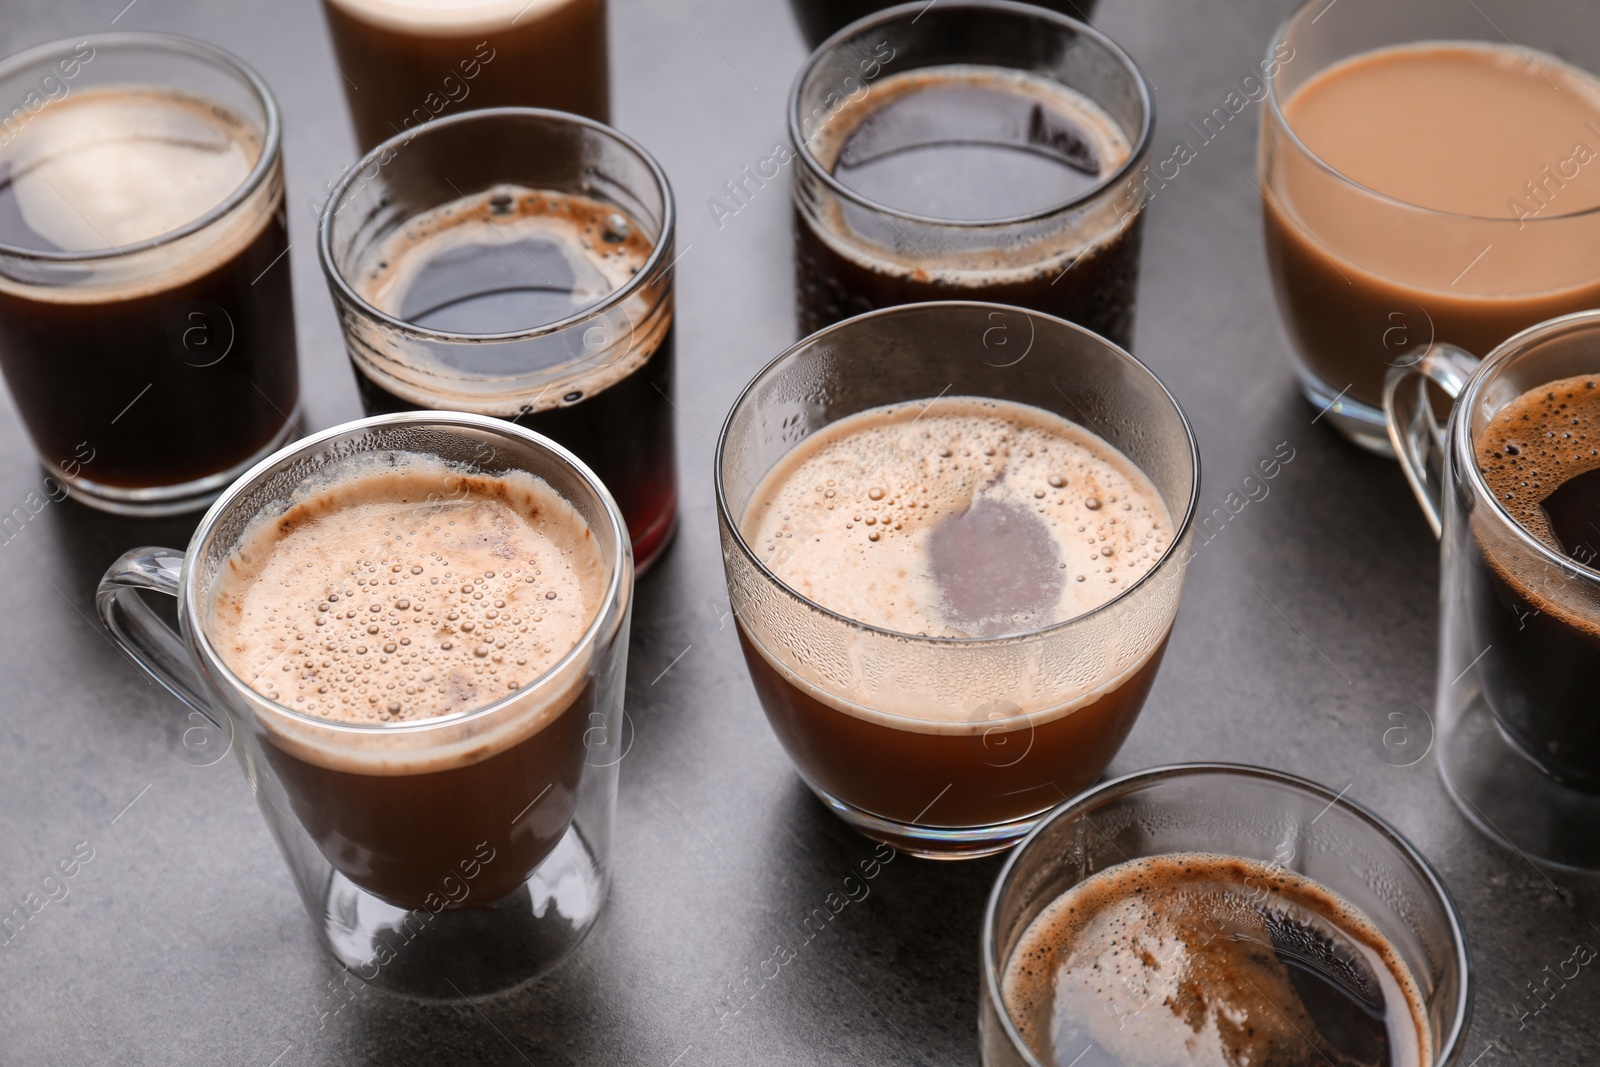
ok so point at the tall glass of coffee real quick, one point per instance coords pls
(518, 263)
(146, 317)
(979, 150)
(406, 62)
(1425, 179)
(413, 630)
(1512, 485)
(1210, 914)
(955, 536)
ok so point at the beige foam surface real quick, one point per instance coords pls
(1168, 961)
(409, 591)
(849, 518)
(449, 17)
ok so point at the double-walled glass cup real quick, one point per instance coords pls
(1078, 260)
(149, 370)
(598, 378)
(1517, 736)
(943, 746)
(1363, 279)
(1248, 812)
(457, 855)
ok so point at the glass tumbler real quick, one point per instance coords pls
(949, 747)
(457, 855)
(1077, 259)
(1517, 737)
(1246, 812)
(597, 377)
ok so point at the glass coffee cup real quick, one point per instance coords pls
(518, 263)
(1423, 178)
(1505, 483)
(951, 741)
(146, 323)
(1037, 126)
(1287, 832)
(459, 854)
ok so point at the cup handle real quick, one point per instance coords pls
(140, 632)
(1417, 436)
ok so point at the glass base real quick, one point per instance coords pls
(1509, 798)
(153, 502)
(1359, 423)
(475, 951)
(932, 842)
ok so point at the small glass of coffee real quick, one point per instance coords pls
(518, 263)
(955, 537)
(1512, 485)
(146, 316)
(1425, 179)
(978, 150)
(1209, 913)
(413, 631)
(406, 62)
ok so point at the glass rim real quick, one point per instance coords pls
(613, 601)
(1487, 371)
(265, 164)
(1138, 149)
(1180, 527)
(1275, 106)
(649, 274)
(1127, 783)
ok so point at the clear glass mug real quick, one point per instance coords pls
(1363, 279)
(600, 379)
(1229, 810)
(1022, 721)
(496, 897)
(1517, 737)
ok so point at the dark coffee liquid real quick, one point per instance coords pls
(411, 61)
(970, 144)
(1541, 669)
(821, 19)
(1202, 959)
(186, 368)
(484, 277)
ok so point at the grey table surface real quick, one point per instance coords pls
(1305, 622)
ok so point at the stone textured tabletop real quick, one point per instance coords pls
(1308, 618)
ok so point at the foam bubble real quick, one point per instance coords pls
(958, 517)
(409, 591)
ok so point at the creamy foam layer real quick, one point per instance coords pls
(1025, 257)
(113, 167)
(404, 589)
(1545, 437)
(1170, 960)
(601, 245)
(449, 18)
(957, 517)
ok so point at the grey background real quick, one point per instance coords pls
(1308, 619)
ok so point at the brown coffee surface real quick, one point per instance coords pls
(1191, 959)
(1536, 444)
(1503, 139)
(957, 517)
(408, 592)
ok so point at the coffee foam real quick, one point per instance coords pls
(1047, 252)
(111, 167)
(450, 18)
(1161, 960)
(583, 228)
(848, 518)
(456, 650)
